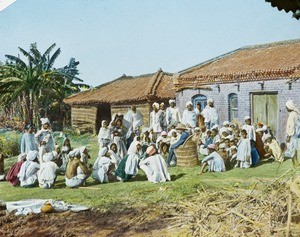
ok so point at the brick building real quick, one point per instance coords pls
(254, 80)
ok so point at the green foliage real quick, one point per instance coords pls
(10, 143)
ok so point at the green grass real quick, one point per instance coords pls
(139, 192)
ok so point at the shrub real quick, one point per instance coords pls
(10, 143)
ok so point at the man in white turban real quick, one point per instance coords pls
(47, 173)
(172, 114)
(156, 120)
(29, 169)
(189, 116)
(210, 114)
(136, 119)
(292, 132)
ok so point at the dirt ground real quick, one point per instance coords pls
(128, 222)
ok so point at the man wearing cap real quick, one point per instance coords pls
(189, 116)
(29, 169)
(155, 166)
(28, 140)
(292, 131)
(47, 172)
(45, 138)
(182, 130)
(172, 114)
(73, 178)
(210, 114)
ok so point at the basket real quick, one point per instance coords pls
(187, 155)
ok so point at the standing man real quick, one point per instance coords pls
(189, 117)
(162, 109)
(172, 114)
(200, 118)
(155, 120)
(28, 140)
(210, 114)
(292, 131)
(135, 117)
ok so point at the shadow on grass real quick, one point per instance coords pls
(177, 176)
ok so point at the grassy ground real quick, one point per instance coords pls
(139, 192)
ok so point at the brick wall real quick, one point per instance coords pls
(220, 96)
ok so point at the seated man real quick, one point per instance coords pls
(74, 178)
(47, 173)
(182, 130)
(29, 169)
(155, 166)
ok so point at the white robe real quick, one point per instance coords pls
(155, 168)
(28, 173)
(100, 169)
(293, 131)
(156, 121)
(189, 117)
(250, 131)
(210, 115)
(104, 137)
(215, 162)
(244, 150)
(47, 174)
(173, 115)
(28, 143)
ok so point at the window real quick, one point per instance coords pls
(202, 99)
(233, 106)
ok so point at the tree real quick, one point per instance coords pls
(35, 83)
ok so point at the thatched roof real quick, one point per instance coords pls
(261, 62)
(149, 87)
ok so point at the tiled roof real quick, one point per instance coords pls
(261, 62)
(126, 89)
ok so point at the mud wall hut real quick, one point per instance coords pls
(90, 107)
(252, 81)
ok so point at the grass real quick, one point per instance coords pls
(139, 192)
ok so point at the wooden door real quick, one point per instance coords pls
(265, 110)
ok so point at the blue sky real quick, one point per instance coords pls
(114, 37)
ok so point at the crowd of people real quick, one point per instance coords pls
(126, 145)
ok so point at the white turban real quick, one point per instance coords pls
(247, 117)
(156, 105)
(48, 156)
(188, 103)
(74, 153)
(172, 101)
(22, 156)
(210, 100)
(267, 137)
(223, 129)
(102, 151)
(290, 105)
(222, 145)
(233, 147)
(45, 120)
(226, 123)
(32, 155)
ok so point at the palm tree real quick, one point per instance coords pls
(36, 83)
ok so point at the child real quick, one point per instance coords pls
(114, 156)
(65, 149)
(104, 135)
(244, 151)
(233, 155)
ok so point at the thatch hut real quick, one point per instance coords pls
(90, 107)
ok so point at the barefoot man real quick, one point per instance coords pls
(74, 178)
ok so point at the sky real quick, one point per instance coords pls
(114, 37)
